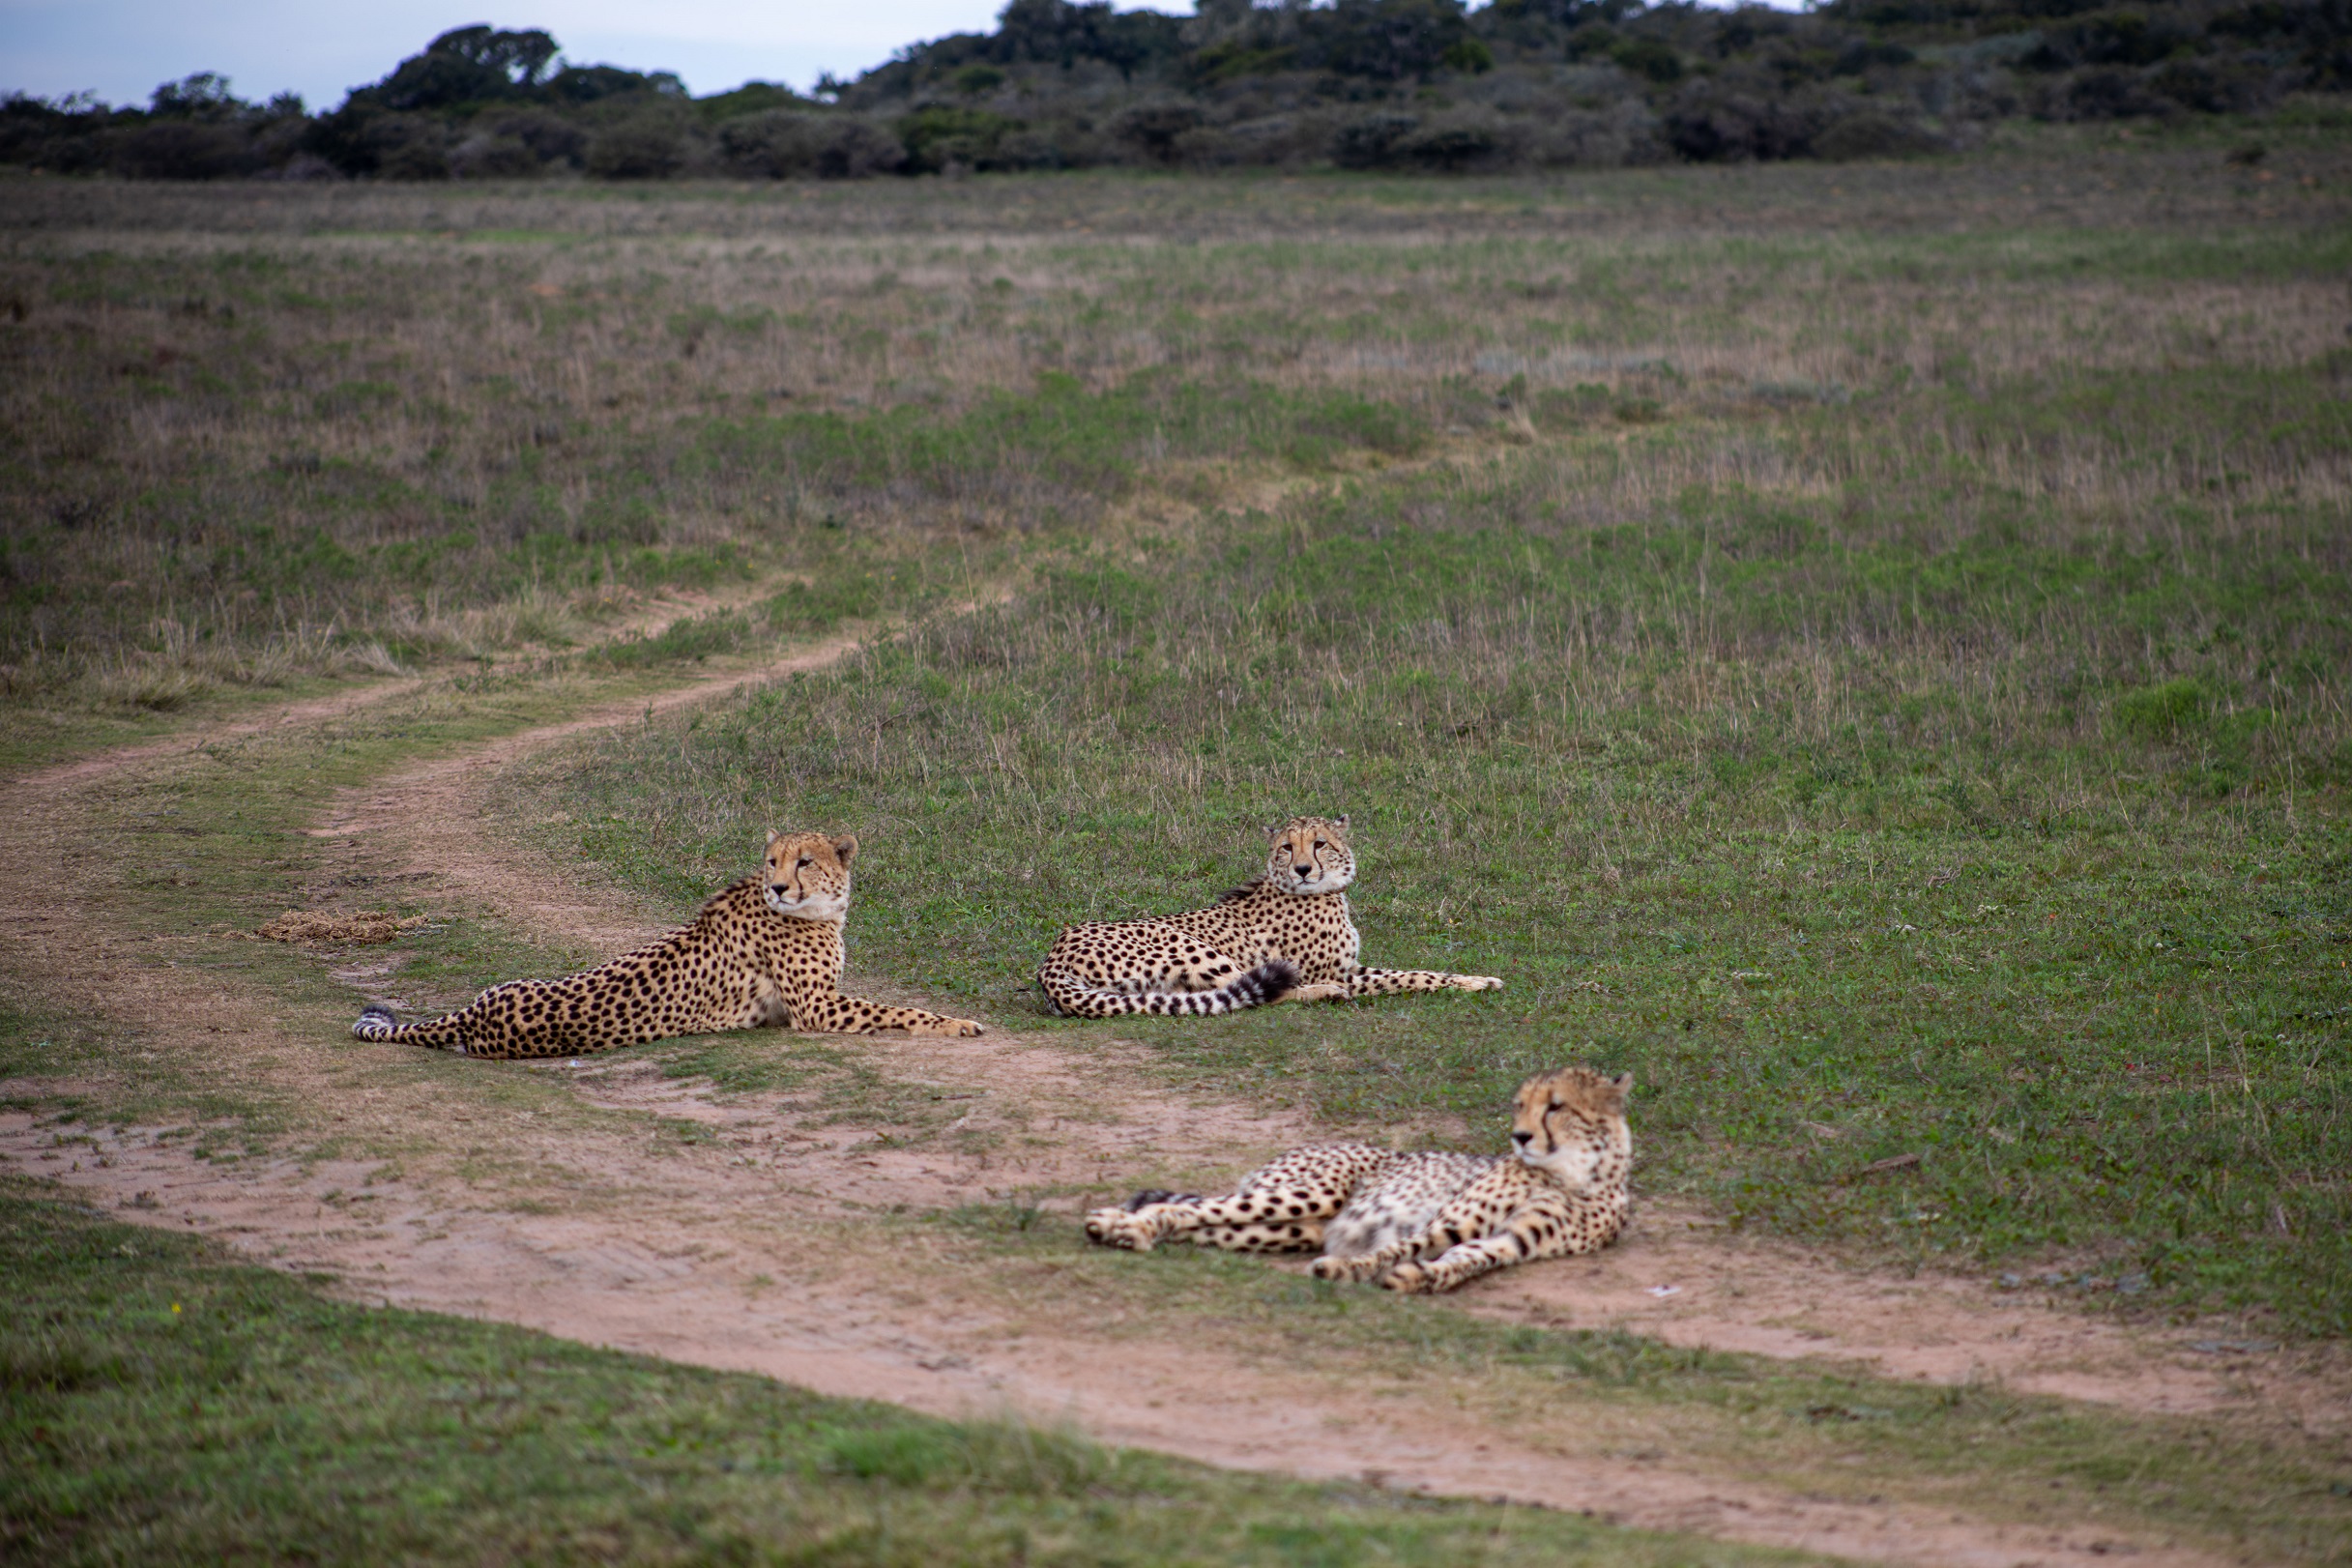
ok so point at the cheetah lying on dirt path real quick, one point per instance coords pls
(1284, 936)
(1422, 1222)
(766, 950)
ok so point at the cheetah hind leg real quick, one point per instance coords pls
(1114, 1227)
(1264, 1235)
(1149, 1218)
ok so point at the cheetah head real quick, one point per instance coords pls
(1570, 1124)
(807, 875)
(1309, 854)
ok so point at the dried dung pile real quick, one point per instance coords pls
(312, 928)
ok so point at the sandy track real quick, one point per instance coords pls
(66, 776)
(743, 1277)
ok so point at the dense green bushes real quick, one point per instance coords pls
(1406, 84)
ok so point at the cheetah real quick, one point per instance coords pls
(766, 950)
(1285, 936)
(1427, 1222)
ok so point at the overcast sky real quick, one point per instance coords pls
(122, 48)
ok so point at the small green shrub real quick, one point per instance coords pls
(843, 594)
(684, 640)
(2162, 712)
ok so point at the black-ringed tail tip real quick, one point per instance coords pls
(379, 1024)
(1071, 996)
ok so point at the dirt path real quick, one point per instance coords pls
(754, 1250)
(66, 776)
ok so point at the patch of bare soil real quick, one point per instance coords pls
(66, 776)
(1679, 1276)
(433, 813)
(742, 1249)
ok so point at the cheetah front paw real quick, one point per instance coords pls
(1118, 1227)
(1318, 991)
(953, 1028)
(1328, 1268)
(1408, 1279)
(1477, 982)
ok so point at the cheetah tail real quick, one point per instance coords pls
(1072, 998)
(1269, 982)
(1154, 1195)
(378, 1024)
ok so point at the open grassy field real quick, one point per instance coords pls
(253, 432)
(1863, 648)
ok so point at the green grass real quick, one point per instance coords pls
(358, 509)
(1062, 448)
(1797, 1426)
(1885, 809)
(166, 1403)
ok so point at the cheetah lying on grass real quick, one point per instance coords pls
(1422, 1222)
(767, 950)
(1284, 937)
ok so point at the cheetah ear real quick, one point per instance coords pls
(846, 846)
(1340, 821)
(1623, 1085)
(774, 835)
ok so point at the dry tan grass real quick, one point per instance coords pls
(321, 928)
(313, 377)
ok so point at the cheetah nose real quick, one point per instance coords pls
(1523, 1138)
(1303, 870)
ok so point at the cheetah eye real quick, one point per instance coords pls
(805, 863)
(1320, 844)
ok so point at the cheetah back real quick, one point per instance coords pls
(719, 973)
